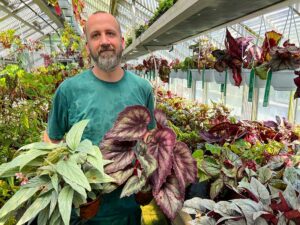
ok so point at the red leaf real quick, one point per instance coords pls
(160, 146)
(169, 198)
(57, 9)
(282, 206)
(293, 214)
(185, 167)
(131, 124)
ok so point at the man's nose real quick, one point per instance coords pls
(104, 40)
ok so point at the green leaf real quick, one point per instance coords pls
(39, 204)
(43, 216)
(17, 200)
(55, 217)
(227, 209)
(73, 137)
(291, 197)
(234, 158)
(22, 160)
(41, 146)
(202, 176)
(70, 170)
(86, 146)
(78, 200)
(37, 182)
(54, 180)
(133, 186)
(260, 221)
(216, 188)
(96, 163)
(76, 187)
(65, 199)
(94, 176)
(198, 154)
(214, 149)
(53, 203)
(264, 174)
(210, 168)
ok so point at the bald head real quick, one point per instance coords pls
(96, 16)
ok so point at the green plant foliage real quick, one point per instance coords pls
(54, 172)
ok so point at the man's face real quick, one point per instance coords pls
(104, 41)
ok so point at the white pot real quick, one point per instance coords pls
(283, 80)
(64, 4)
(208, 75)
(220, 77)
(195, 74)
(259, 83)
(67, 12)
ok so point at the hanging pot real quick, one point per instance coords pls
(283, 80)
(219, 77)
(259, 83)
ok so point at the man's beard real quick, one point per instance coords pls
(107, 59)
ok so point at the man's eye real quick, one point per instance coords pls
(95, 35)
(110, 34)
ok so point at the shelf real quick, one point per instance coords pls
(188, 18)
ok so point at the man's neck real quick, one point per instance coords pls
(112, 76)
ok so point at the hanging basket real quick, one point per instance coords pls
(208, 75)
(259, 83)
(196, 74)
(219, 77)
(283, 80)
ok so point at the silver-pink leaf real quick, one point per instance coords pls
(161, 118)
(122, 175)
(185, 166)
(160, 146)
(170, 198)
(131, 124)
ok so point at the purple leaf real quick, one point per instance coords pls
(119, 151)
(270, 124)
(169, 198)
(185, 167)
(160, 118)
(131, 124)
(160, 146)
(210, 138)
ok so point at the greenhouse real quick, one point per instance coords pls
(150, 112)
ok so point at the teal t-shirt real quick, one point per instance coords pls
(87, 97)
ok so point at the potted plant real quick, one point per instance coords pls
(58, 177)
(148, 161)
(284, 61)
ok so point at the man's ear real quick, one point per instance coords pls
(123, 43)
(87, 48)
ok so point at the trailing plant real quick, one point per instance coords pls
(263, 205)
(8, 37)
(141, 29)
(189, 63)
(129, 141)
(58, 177)
(128, 41)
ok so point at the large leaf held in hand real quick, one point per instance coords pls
(120, 152)
(65, 199)
(73, 137)
(131, 124)
(185, 166)
(169, 197)
(161, 147)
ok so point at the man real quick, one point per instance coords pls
(99, 95)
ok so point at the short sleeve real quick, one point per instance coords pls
(58, 116)
(150, 106)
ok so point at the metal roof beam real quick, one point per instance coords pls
(44, 7)
(20, 19)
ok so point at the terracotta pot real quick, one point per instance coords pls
(89, 209)
(143, 198)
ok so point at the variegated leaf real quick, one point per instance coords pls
(109, 187)
(133, 186)
(41, 146)
(185, 166)
(131, 124)
(94, 176)
(122, 175)
(161, 118)
(161, 147)
(148, 164)
(120, 152)
(169, 197)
